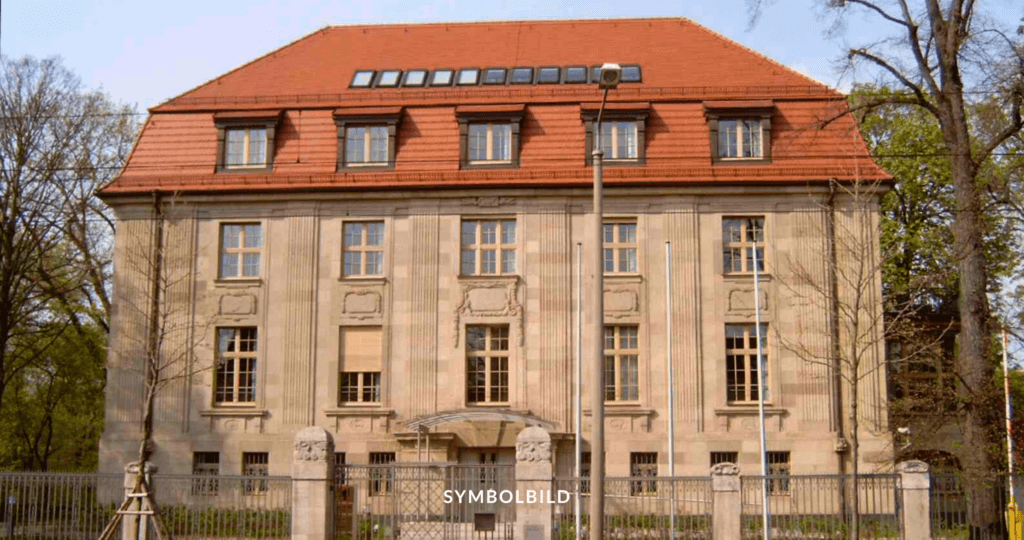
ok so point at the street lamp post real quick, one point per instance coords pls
(610, 75)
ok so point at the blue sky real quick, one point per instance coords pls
(144, 55)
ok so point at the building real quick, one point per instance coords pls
(374, 229)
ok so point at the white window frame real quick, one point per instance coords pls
(612, 144)
(240, 251)
(616, 247)
(740, 140)
(489, 148)
(247, 134)
(361, 387)
(363, 249)
(500, 248)
(751, 374)
(368, 148)
(745, 245)
(622, 357)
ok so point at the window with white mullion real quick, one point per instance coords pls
(620, 248)
(739, 237)
(487, 364)
(240, 247)
(621, 363)
(246, 148)
(366, 145)
(619, 140)
(488, 247)
(364, 249)
(740, 139)
(490, 142)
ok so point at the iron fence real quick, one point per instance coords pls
(821, 506)
(638, 508)
(210, 506)
(424, 501)
(57, 505)
(951, 504)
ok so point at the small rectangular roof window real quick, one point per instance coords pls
(362, 78)
(631, 73)
(388, 78)
(548, 75)
(415, 77)
(469, 76)
(494, 75)
(522, 75)
(441, 77)
(576, 74)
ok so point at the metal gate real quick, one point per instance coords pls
(439, 501)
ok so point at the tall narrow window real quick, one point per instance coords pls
(236, 366)
(486, 364)
(739, 236)
(620, 248)
(621, 363)
(381, 472)
(364, 249)
(255, 464)
(240, 247)
(360, 365)
(741, 365)
(584, 472)
(619, 140)
(488, 247)
(778, 468)
(643, 465)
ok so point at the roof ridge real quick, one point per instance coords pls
(247, 64)
(505, 21)
(760, 55)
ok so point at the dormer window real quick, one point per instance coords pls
(740, 131)
(623, 131)
(366, 137)
(245, 140)
(489, 135)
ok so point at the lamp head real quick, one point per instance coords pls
(611, 74)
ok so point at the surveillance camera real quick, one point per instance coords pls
(611, 74)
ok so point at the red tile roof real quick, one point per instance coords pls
(684, 67)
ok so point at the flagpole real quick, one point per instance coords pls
(671, 387)
(578, 401)
(1009, 417)
(762, 387)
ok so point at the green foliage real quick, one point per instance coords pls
(183, 521)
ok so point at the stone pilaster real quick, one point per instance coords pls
(726, 505)
(533, 481)
(312, 475)
(914, 486)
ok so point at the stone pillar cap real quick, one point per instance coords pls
(912, 466)
(725, 469)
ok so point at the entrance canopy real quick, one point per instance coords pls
(469, 415)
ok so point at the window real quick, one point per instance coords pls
(739, 234)
(245, 140)
(576, 75)
(740, 131)
(621, 363)
(246, 148)
(441, 77)
(468, 76)
(205, 464)
(724, 457)
(366, 137)
(381, 473)
(490, 143)
(362, 78)
(620, 248)
(488, 247)
(495, 75)
(415, 77)
(584, 472)
(360, 364)
(366, 145)
(236, 366)
(739, 139)
(363, 251)
(341, 477)
(741, 365)
(549, 75)
(240, 247)
(255, 464)
(486, 364)
(643, 465)
(618, 140)
(778, 468)
(631, 73)
(389, 78)
(522, 75)
(623, 132)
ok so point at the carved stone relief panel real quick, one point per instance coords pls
(237, 304)
(742, 300)
(362, 302)
(622, 301)
(488, 298)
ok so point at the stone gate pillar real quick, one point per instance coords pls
(726, 505)
(914, 487)
(534, 483)
(312, 475)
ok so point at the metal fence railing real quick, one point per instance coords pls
(820, 506)
(57, 505)
(951, 507)
(639, 508)
(201, 506)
